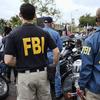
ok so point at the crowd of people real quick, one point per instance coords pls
(28, 50)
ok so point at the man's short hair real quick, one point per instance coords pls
(27, 11)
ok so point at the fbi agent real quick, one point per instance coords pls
(26, 47)
(90, 69)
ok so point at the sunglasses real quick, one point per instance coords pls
(98, 19)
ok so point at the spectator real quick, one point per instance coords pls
(64, 32)
(7, 30)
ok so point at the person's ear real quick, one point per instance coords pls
(20, 15)
(35, 15)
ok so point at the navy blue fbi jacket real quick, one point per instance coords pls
(90, 69)
(29, 45)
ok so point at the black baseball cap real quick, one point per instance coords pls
(48, 20)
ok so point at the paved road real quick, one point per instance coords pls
(12, 89)
(12, 92)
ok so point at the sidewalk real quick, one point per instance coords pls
(12, 89)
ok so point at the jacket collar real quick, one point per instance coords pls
(98, 28)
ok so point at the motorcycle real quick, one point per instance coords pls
(69, 70)
(4, 87)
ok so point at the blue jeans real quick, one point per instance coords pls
(3, 68)
(58, 87)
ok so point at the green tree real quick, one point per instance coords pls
(45, 8)
(15, 21)
(26, 1)
(2, 24)
(87, 19)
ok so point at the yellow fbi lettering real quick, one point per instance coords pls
(86, 50)
(34, 43)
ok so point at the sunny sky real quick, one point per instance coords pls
(69, 8)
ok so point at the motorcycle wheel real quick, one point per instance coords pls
(4, 88)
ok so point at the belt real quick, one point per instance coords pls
(32, 70)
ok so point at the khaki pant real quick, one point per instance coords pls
(92, 96)
(33, 86)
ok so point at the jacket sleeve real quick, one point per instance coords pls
(87, 64)
(59, 42)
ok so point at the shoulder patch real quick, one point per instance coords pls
(86, 50)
